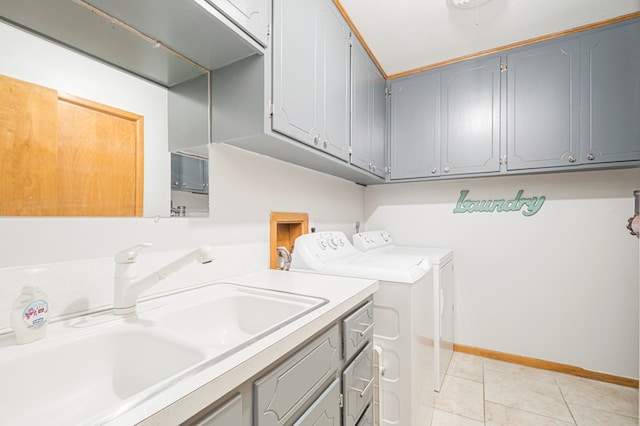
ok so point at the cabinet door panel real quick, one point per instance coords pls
(285, 390)
(367, 112)
(251, 15)
(471, 118)
(610, 89)
(336, 52)
(357, 383)
(296, 70)
(325, 411)
(415, 127)
(543, 106)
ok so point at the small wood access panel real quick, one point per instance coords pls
(284, 229)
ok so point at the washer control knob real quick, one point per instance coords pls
(322, 245)
(333, 243)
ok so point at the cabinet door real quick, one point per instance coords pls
(250, 15)
(335, 48)
(325, 411)
(415, 127)
(229, 414)
(610, 95)
(471, 117)
(296, 70)
(290, 387)
(357, 383)
(367, 112)
(543, 106)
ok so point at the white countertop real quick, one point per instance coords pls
(191, 395)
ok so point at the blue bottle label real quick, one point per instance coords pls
(35, 314)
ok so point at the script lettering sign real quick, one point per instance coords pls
(527, 205)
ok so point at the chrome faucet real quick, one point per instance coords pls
(127, 285)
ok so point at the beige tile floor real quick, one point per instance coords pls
(481, 391)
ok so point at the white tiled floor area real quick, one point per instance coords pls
(481, 391)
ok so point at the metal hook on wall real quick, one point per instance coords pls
(634, 222)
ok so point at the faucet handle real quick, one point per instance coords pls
(130, 254)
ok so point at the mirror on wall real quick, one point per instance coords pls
(172, 113)
(190, 182)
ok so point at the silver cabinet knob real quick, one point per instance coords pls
(434, 170)
(447, 169)
(373, 167)
(326, 143)
(316, 139)
(591, 157)
(572, 159)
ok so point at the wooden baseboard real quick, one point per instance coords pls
(546, 365)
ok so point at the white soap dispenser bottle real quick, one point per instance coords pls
(30, 312)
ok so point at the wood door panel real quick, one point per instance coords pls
(28, 154)
(97, 161)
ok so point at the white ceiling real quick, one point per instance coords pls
(405, 35)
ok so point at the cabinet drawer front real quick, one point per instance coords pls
(357, 382)
(367, 417)
(325, 411)
(357, 330)
(281, 393)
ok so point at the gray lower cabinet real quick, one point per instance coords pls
(610, 95)
(470, 131)
(311, 57)
(368, 112)
(325, 411)
(357, 384)
(318, 384)
(543, 105)
(357, 330)
(414, 126)
(367, 417)
(230, 413)
(284, 391)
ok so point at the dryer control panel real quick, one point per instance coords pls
(370, 240)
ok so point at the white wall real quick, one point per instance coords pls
(77, 253)
(561, 285)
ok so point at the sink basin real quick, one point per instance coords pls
(227, 316)
(110, 364)
(74, 380)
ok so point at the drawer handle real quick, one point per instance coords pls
(366, 330)
(366, 388)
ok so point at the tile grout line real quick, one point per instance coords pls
(555, 380)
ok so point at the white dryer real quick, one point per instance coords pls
(403, 327)
(442, 277)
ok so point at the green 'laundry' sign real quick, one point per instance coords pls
(528, 206)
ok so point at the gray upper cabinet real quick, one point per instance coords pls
(250, 15)
(610, 95)
(414, 126)
(368, 112)
(471, 117)
(189, 173)
(543, 105)
(311, 78)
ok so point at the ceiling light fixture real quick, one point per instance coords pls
(467, 4)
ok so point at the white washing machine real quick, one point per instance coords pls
(442, 277)
(403, 327)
